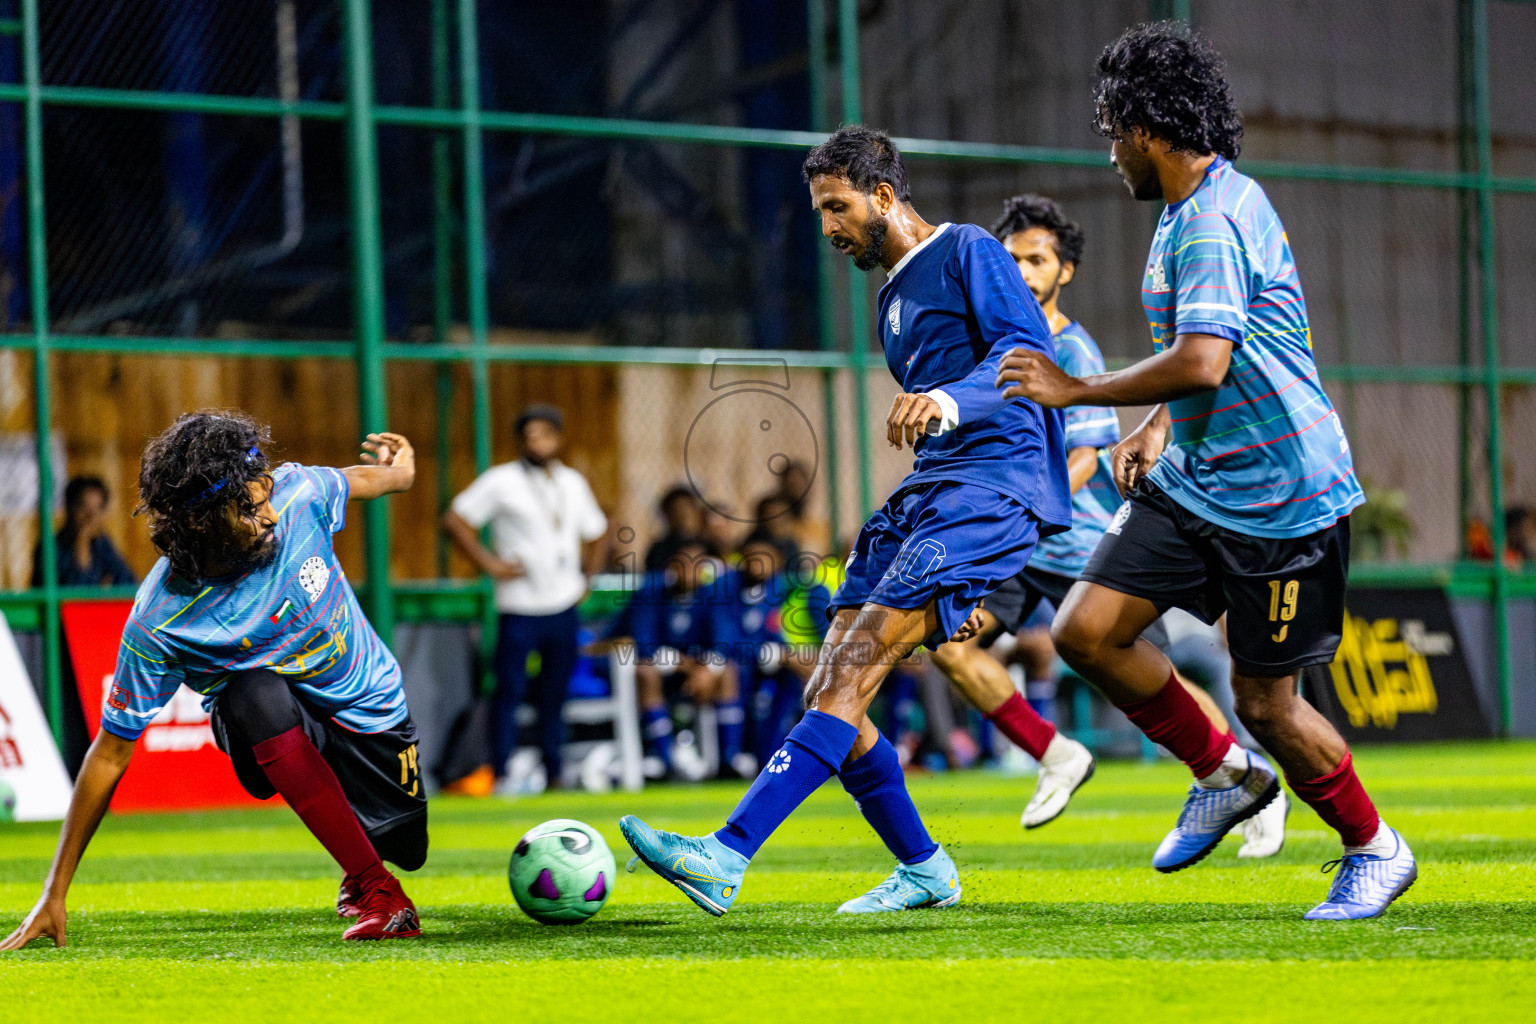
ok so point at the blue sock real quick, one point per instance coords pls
(731, 721)
(810, 756)
(876, 783)
(657, 723)
(1041, 695)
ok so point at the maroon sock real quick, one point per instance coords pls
(1341, 801)
(1232, 738)
(306, 781)
(1173, 718)
(1022, 724)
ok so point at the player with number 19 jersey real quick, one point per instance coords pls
(1264, 454)
(296, 617)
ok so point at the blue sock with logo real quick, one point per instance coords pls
(877, 785)
(810, 756)
(657, 724)
(731, 723)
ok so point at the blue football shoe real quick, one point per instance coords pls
(1209, 814)
(933, 883)
(1366, 884)
(707, 871)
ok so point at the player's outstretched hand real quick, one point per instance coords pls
(1134, 457)
(909, 418)
(1035, 376)
(47, 918)
(388, 449)
(970, 627)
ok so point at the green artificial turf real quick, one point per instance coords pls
(226, 915)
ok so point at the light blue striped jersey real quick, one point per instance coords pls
(296, 616)
(1265, 453)
(1066, 554)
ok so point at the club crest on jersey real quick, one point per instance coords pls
(314, 574)
(1157, 277)
(894, 316)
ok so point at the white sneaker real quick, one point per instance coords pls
(1067, 764)
(688, 763)
(1264, 833)
(525, 774)
(596, 772)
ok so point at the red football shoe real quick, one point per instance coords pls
(385, 912)
(348, 897)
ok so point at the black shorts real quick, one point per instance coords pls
(1016, 600)
(377, 771)
(1284, 597)
(1019, 596)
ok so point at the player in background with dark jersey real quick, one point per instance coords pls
(249, 607)
(1247, 509)
(989, 479)
(1048, 249)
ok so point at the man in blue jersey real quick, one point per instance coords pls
(990, 478)
(1247, 510)
(664, 620)
(249, 607)
(745, 628)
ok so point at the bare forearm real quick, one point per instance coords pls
(368, 482)
(1192, 364)
(467, 541)
(1082, 463)
(104, 766)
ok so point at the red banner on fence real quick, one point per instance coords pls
(176, 766)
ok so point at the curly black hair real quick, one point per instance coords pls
(1170, 82)
(1021, 213)
(864, 156)
(191, 477)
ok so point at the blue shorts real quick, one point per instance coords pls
(951, 543)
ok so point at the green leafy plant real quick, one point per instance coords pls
(1382, 524)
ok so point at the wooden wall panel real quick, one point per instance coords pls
(107, 407)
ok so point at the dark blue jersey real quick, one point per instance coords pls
(949, 312)
(659, 616)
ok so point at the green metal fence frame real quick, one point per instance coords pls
(371, 351)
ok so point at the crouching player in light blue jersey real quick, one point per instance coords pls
(990, 478)
(1247, 510)
(249, 607)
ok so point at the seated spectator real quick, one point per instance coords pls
(85, 554)
(795, 489)
(774, 518)
(745, 623)
(683, 513)
(664, 621)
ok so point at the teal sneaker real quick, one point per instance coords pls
(708, 871)
(933, 883)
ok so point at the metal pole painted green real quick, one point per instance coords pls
(1466, 202)
(826, 321)
(858, 290)
(1489, 294)
(37, 290)
(477, 285)
(368, 292)
(442, 263)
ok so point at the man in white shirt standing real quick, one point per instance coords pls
(540, 512)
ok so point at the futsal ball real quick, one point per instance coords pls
(7, 802)
(561, 872)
